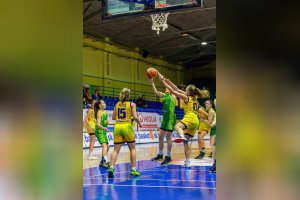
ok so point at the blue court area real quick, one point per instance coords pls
(155, 182)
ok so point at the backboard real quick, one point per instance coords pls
(120, 8)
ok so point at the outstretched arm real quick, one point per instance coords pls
(157, 93)
(174, 87)
(177, 94)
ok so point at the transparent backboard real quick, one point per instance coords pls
(114, 8)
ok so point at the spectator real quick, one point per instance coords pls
(96, 94)
(87, 94)
(141, 102)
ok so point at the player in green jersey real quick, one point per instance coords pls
(167, 124)
(101, 130)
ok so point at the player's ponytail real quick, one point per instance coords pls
(96, 108)
(124, 94)
(204, 93)
(197, 93)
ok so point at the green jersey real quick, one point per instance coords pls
(168, 103)
(104, 121)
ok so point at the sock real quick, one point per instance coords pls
(169, 154)
(90, 153)
(160, 152)
(111, 167)
(202, 150)
(105, 158)
(133, 168)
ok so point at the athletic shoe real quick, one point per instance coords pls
(187, 164)
(180, 139)
(210, 155)
(111, 172)
(201, 155)
(91, 157)
(158, 157)
(213, 168)
(167, 160)
(135, 172)
(104, 164)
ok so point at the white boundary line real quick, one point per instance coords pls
(138, 179)
(189, 170)
(150, 186)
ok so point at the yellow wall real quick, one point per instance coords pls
(106, 64)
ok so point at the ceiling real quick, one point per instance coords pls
(179, 43)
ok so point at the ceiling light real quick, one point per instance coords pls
(204, 43)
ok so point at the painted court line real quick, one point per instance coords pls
(189, 170)
(150, 186)
(153, 180)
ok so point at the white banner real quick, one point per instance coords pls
(149, 121)
(148, 134)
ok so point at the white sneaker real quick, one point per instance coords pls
(91, 157)
(187, 164)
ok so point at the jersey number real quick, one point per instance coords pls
(121, 113)
(195, 106)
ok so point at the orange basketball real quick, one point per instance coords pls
(151, 73)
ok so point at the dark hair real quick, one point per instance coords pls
(210, 101)
(97, 107)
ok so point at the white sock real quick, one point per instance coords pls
(105, 158)
(160, 152)
(90, 153)
(169, 154)
(133, 168)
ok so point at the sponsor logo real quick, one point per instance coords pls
(147, 118)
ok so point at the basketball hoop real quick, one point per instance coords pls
(159, 22)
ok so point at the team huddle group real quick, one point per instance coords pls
(195, 118)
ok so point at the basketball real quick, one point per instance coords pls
(151, 73)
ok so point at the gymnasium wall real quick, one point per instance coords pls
(109, 65)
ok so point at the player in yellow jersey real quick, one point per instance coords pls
(205, 121)
(90, 123)
(213, 134)
(123, 131)
(187, 127)
(202, 114)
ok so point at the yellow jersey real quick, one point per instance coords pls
(92, 118)
(191, 106)
(123, 112)
(202, 116)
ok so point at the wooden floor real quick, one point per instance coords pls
(144, 152)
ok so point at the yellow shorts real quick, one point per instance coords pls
(191, 122)
(123, 132)
(90, 128)
(203, 126)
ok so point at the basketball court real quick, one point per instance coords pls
(155, 182)
(121, 40)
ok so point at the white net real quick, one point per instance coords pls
(159, 22)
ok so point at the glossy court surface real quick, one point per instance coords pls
(155, 182)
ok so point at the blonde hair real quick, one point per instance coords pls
(124, 94)
(196, 92)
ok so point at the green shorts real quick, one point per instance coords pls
(213, 131)
(168, 122)
(101, 135)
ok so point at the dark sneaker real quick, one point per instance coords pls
(213, 168)
(158, 157)
(111, 172)
(135, 172)
(201, 155)
(167, 160)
